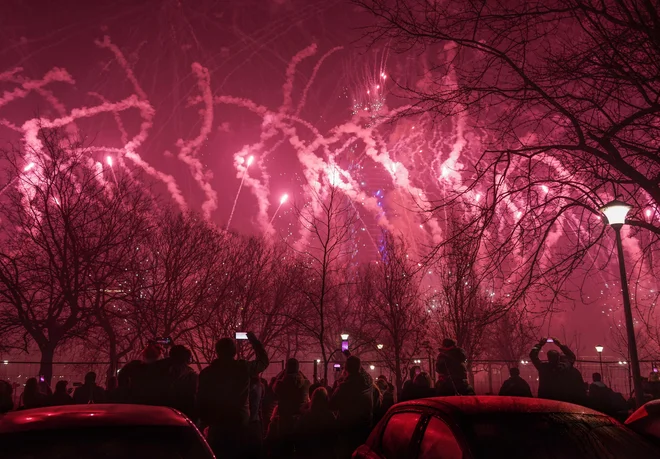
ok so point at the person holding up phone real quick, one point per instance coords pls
(222, 396)
(558, 379)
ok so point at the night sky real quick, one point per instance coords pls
(288, 82)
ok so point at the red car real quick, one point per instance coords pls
(646, 420)
(506, 427)
(100, 432)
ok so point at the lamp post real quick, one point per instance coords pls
(616, 212)
(599, 349)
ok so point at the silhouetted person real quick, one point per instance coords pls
(451, 366)
(317, 428)
(600, 396)
(268, 404)
(32, 395)
(407, 388)
(173, 382)
(653, 385)
(558, 379)
(113, 392)
(255, 427)
(89, 392)
(422, 387)
(6, 397)
(223, 394)
(387, 391)
(292, 391)
(125, 378)
(515, 386)
(353, 400)
(61, 395)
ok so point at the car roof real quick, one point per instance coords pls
(90, 415)
(469, 405)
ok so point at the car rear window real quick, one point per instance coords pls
(129, 442)
(554, 435)
(398, 433)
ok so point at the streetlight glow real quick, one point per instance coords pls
(284, 198)
(379, 346)
(28, 167)
(372, 367)
(109, 160)
(344, 336)
(599, 349)
(616, 212)
(249, 160)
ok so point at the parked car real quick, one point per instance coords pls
(646, 420)
(511, 427)
(99, 432)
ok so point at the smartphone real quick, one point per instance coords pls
(42, 379)
(163, 341)
(550, 340)
(418, 371)
(241, 335)
(337, 366)
(344, 346)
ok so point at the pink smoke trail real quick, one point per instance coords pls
(188, 152)
(53, 75)
(291, 73)
(318, 65)
(121, 60)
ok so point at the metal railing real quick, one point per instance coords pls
(487, 375)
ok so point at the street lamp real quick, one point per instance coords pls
(616, 212)
(344, 336)
(379, 347)
(599, 349)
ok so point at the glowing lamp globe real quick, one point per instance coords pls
(28, 167)
(344, 336)
(616, 212)
(379, 346)
(599, 349)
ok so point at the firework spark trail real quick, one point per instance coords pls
(53, 75)
(188, 150)
(245, 168)
(283, 199)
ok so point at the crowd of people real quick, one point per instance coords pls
(243, 415)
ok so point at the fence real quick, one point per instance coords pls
(487, 375)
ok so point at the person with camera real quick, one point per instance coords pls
(558, 378)
(222, 396)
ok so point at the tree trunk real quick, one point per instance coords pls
(46, 364)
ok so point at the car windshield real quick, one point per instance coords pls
(161, 442)
(553, 436)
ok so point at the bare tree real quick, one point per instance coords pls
(566, 95)
(391, 292)
(179, 273)
(465, 304)
(323, 258)
(64, 225)
(511, 337)
(255, 292)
